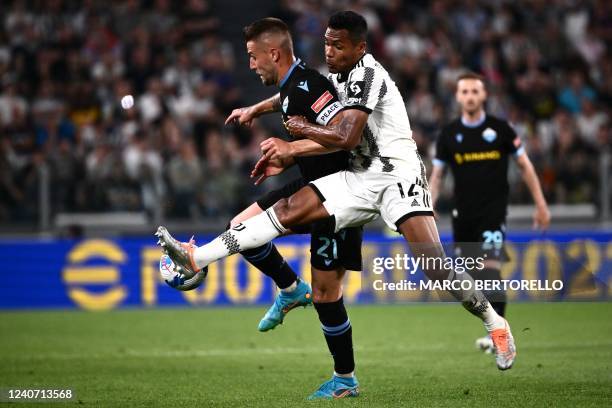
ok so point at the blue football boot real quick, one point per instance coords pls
(284, 302)
(337, 387)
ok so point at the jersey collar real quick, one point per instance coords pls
(288, 74)
(479, 122)
(343, 76)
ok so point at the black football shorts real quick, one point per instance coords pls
(484, 236)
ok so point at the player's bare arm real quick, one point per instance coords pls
(245, 116)
(435, 181)
(541, 216)
(343, 132)
(279, 154)
(275, 148)
(266, 167)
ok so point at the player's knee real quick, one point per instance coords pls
(325, 293)
(281, 209)
(284, 212)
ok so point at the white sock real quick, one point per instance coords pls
(491, 320)
(251, 233)
(349, 375)
(476, 302)
(290, 288)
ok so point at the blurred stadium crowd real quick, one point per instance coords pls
(65, 65)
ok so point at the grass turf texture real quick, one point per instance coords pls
(413, 355)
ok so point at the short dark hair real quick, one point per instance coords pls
(352, 22)
(263, 26)
(472, 75)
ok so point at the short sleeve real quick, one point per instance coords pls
(317, 99)
(442, 155)
(512, 141)
(365, 88)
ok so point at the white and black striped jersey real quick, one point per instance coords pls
(386, 145)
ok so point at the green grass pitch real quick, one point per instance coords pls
(408, 355)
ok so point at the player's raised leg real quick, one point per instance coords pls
(422, 235)
(301, 208)
(266, 257)
(338, 332)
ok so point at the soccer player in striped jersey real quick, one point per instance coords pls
(386, 178)
(302, 91)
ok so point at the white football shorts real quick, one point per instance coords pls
(357, 198)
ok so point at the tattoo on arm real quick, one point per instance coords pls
(307, 147)
(344, 134)
(346, 125)
(269, 105)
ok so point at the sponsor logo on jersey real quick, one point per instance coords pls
(321, 102)
(459, 137)
(328, 113)
(477, 156)
(489, 135)
(356, 87)
(285, 104)
(303, 85)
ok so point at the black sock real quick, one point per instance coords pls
(497, 298)
(338, 333)
(267, 259)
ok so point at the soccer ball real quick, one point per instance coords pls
(178, 278)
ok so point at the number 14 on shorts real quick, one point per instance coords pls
(412, 192)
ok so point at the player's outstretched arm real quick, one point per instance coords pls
(541, 217)
(245, 116)
(343, 132)
(307, 147)
(266, 167)
(275, 148)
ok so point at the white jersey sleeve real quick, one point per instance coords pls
(365, 88)
(386, 145)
